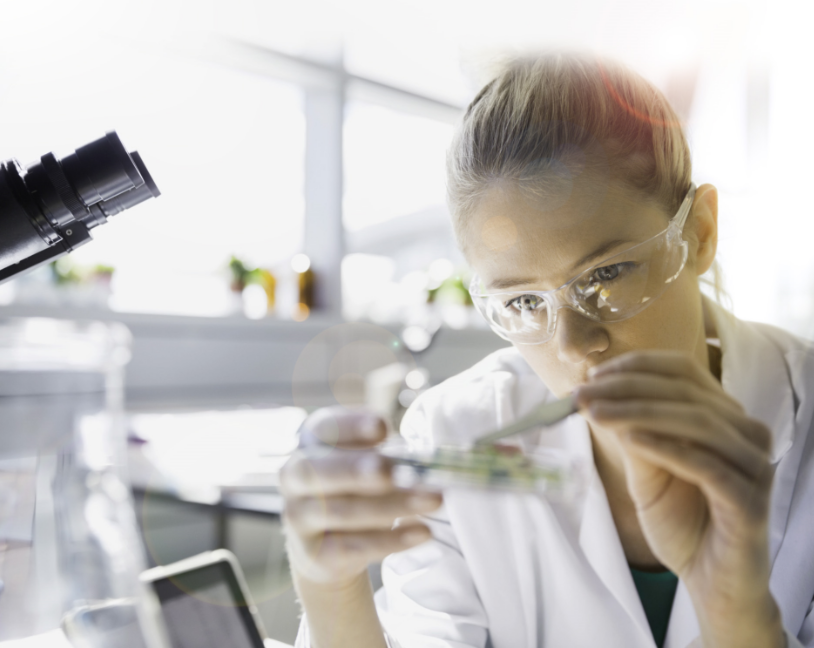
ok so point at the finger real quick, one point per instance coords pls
(637, 384)
(715, 477)
(354, 550)
(342, 427)
(338, 472)
(342, 554)
(664, 362)
(311, 515)
(684, 422)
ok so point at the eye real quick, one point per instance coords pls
(608, 273)
(526, 303)
(614, 271)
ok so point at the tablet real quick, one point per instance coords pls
(205, 602)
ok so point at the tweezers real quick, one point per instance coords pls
(541, 416)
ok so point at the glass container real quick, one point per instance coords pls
(70, 550)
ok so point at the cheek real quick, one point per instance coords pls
(560, 377)
(671, 322)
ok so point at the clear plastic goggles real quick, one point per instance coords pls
(610, 291)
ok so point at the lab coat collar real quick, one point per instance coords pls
(599, 540)
(754, 371)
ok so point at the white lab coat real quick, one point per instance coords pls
(516, 571)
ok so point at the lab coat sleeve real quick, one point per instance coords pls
(805, 638)
(428, 598)
(792, 641)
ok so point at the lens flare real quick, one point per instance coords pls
(630, 109)
(499, 233)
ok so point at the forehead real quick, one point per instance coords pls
(543, 235)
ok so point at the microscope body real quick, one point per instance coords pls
(48, 209)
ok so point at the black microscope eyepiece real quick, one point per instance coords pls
(48, 209)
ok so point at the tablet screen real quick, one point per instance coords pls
(204, 608)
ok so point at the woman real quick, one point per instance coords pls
(571, 193)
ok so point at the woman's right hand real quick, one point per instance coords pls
(340, 500)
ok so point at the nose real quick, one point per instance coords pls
(577, 337)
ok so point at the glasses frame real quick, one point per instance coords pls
(563, 297)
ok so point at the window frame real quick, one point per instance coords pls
(327, 87)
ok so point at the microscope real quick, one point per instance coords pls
(48, 209)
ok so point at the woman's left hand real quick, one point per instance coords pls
(699, 474)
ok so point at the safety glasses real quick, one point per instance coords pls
(610, 291)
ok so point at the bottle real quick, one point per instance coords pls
(269, 282)
(301, 265)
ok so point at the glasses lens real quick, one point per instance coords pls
(517, 317)
(616, 289)
(625, 284)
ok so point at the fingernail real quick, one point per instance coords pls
(598, 370)
(415, 536)
(423, 502)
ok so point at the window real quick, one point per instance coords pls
(227, 152)
(395, 212)
(394, 164)
(224, 131)
(225, 147)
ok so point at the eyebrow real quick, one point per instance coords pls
(500, 284)
(602, 250)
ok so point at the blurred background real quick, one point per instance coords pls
(300, 253)
(319, 127)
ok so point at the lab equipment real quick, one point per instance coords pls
(48, 209)
(542, 415)
(70, 549)
(545, 471)
(485, 465)
(610, 291)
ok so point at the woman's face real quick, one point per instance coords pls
(521, 242)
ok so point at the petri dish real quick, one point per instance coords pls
(552, 472)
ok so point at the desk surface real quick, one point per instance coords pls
(227, 458)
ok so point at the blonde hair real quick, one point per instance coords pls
(548, 113)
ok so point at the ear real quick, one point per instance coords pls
(704, 221)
